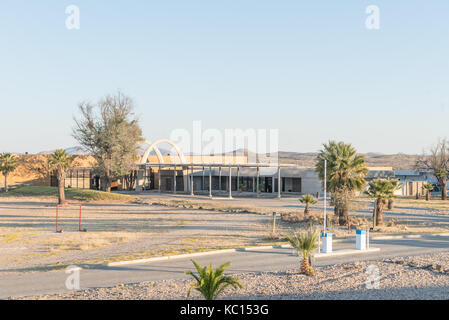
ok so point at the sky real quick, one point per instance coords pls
(310, 69)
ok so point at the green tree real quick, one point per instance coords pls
(381, 190)
(8, 164)
(210, 283)
(305, 243)
(346, 171)
(428, 187)
(111, 133)
(60, 161)
(438, 163)
(307, 199)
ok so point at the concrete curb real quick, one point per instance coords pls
(335, 253)
(191, 255)
(344, 252)
(410, 236)
(164, 258)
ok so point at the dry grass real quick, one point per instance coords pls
(71, 194)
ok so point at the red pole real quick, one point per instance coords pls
(57, 207)
(79, 224)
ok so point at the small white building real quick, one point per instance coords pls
(413, 181)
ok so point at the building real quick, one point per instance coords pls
(413, 181)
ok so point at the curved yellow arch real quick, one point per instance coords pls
(153, 146)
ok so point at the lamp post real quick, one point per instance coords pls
(325, 195)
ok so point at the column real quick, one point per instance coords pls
(159, 178)
(230, 183)
(219, 179)
(191, 183)
(279, 182)
(202, 181)
(238, 178)
(174, 180)
(257, 182)
(210, 182)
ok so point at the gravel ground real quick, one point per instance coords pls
(116, 231)
(420, 277)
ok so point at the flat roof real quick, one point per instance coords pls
(225, 165)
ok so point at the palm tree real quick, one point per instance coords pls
(307, 199)
(305, 243)
(346, 171)
(60, 161)
(8, 164)
(396, 185)
(428, 187)
(381, 190)
(211, 283)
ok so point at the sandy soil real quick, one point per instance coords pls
(116, 231)
(153, 226)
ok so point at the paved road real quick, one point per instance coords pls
(253, 261)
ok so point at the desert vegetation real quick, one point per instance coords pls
(8, 164)
(85, 195)
(210, 283)
(307, 200)
(438, 163)
(60, 161)
(305, 243)
(381, 190)
(110, 133)
(346, 171)
(428, 187)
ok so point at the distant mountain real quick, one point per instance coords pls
(397, 161)
(74, 151)
(306, 159)
(373, 159)
(143, 147)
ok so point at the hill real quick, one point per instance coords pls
(397, 161)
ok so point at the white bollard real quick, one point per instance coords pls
(367, 239)
(319, 244)
(360, 242)
(327, 242)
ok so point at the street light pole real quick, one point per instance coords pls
(325, 194)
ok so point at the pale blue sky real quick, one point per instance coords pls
(310, 69)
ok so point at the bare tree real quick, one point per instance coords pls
(438, 162)
(111, 135)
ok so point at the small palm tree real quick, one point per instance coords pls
(60, 161)
(211, 283)
(395, 185)
(307, 199)
(428, 187)
(305, 243)
(381, 190)
(8, 164)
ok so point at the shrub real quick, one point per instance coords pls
(211, 283)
